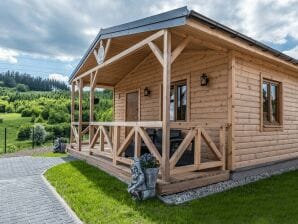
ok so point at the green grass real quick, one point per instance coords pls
(12, 122)
(50, 154)
(97, 197)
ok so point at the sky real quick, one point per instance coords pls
(47, 38)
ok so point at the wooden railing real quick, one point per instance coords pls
(107, 139)
(196, 133)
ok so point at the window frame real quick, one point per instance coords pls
(272, 126)
(175, 85)
(185, 78)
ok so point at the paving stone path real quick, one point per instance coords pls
(25, 197)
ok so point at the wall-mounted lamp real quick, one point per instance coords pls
(147, 91)
(204, 80)
(96, 101)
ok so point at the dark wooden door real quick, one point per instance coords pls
(132, 106)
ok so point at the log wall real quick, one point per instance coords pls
(206, 103)
(253, 145)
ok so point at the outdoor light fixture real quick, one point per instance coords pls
(96, 101)
(147, 91)
(204, 80)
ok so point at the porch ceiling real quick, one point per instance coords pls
(111, 74)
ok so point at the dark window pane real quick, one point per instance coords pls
(172, 104)
(274, 103)
(181, 102)
(265, 102)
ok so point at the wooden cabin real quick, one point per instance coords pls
(204, 99)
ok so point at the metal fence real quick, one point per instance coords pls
(9, 142)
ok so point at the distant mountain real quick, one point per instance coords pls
(25, 82)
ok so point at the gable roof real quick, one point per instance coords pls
(173, 18)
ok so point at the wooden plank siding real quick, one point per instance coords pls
(206, 103)
(253, 145)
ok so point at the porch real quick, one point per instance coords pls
(108, 151)
(160, 106)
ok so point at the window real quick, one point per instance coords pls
(271, 103)
(178, 101)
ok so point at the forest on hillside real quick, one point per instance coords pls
(23, 82)
(49, 109)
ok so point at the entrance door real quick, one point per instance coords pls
(132, 106)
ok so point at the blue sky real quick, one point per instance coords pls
(47, 38)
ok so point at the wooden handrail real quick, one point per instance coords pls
(145, 124)
(188, 125)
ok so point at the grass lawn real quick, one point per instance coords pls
(12, 122)
(97, 197)
(50, 154)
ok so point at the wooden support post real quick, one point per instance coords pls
(222, 145)
(80, 114)
(72, 109)
(91, 108)
(231, 110)
(137, 153)
(165, 166)
(197, 152)
(116, 141)
(102, 141)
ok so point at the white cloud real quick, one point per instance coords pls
(58, 77)
(8, 55)
(292, 52)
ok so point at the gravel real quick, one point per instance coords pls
(237, 179)
(27, 152)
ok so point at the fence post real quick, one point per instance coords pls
(33, 137)
(5, 135)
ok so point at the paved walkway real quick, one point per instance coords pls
(25, 197)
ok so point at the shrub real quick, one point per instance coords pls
(45, 114)
(39, 134)
(56, 117)
(1, 120)
(11, 148)
(9, 108)
(26, 113)
(33, 118)
(49, 137)
(24, 132)
(39, 120)
(22, 87)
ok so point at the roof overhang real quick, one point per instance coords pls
(176, 18)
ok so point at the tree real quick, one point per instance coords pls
(22, 88)
(39, 134)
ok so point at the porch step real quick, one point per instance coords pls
(121, 172)
(191, 180)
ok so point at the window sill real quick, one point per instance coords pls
(272, 127)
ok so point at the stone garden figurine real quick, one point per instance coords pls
(138, 184)
(59, 146)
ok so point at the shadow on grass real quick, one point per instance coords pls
(269, 201)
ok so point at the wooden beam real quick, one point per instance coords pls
(222, 146)
(95, 137)
(93, 79)
(238, 44)
(165, 166)
(138, 141)
(72, 109)
(123, 54)
(91, 109)
(126, 142)
(202, 52)
(106, 135)
(107, 47)
(211, 144)
(231, 109)
(147, 140)
(116, 142)
(182, 147)
(179, 48)
(156, 52)
(203, 43)
(81, 85)
(197, 152)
